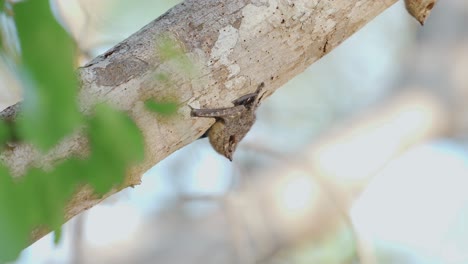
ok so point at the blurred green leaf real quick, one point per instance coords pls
(170, 49)
(49, 109)
(38, 199)
(14, 225)
(49, 193)
(49, 112)
(57, 235)
(164, 108)
(116, 143)
(162, 77)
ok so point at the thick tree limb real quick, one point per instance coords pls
(234, 46)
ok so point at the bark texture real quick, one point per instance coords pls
(233, 46)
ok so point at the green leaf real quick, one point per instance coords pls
(170, 49)
(116, 143)
(57, 235)
(49, 109)
(47, 197)
(14, 224)
(38, 199)
(164, 108)
(49, 112)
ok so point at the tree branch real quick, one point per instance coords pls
(234, 45)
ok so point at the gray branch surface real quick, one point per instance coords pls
(234, 45)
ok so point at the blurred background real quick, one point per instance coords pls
(363, 158)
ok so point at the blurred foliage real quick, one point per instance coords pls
(39, 197)
(115, 143)
(49, 83)
(171, 50)
(163, 108)
(12, 218)
(49, 113)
